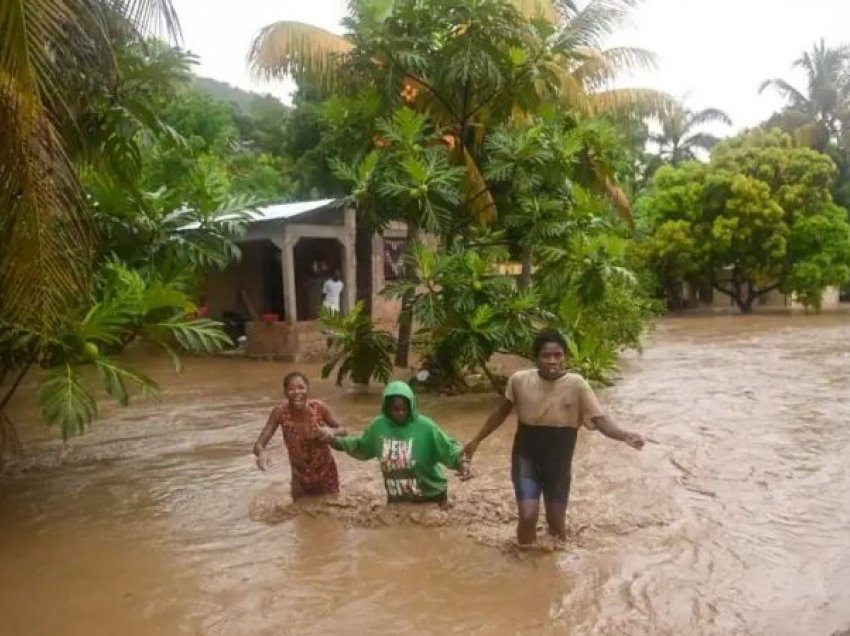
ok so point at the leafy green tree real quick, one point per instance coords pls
(130, 243)
(177, 237)
(470, 66)
(82, 354)
(247, 151)
(48, 50)
(467, 312)
(409, 178)
(476, 81)
(205, 122)
(541, 170)
(759, 217)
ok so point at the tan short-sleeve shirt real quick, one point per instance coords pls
(568, 401)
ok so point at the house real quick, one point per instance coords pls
(273, 293)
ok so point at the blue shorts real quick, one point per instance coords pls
(541, 462)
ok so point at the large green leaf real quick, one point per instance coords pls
(116, 378)
(199, 335)
(67, 400)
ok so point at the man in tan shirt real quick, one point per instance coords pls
(551, 405)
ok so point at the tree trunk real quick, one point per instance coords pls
(18, 379)
(10, 443)
(527, 263)
(754, 294)
(9, 440)
(735, 294)
(674, 297)
(405, 319)
(745, 304)
(405, 332)
(364, 275)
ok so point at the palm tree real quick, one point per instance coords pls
(680, 138)
(820, 114)
(46, 46)
(558, 56)
(470, 67)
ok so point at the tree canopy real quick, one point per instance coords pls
(757, 218)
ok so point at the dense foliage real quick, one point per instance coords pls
(494, 129)
(493, 126)
(120, 184)
(759, 217)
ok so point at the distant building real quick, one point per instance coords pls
(273, 293)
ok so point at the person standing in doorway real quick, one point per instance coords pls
(551, 405)
(332, 292)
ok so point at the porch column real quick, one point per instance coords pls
(287, 264)
(349, 272)
(349, 257)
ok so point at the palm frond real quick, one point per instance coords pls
(150, 16)
(596, 21)
(479, 198)
(44, 237)
(618, 198)
(45, 247)
(295, 49)
(600, 67)
(701, 140)
(32, 33)
(638, 102)
(785, 90)
(538, 9)
(570, 90)
(709, 116)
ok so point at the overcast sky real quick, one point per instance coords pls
(715, 51)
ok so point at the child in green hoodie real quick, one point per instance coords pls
(410, 447)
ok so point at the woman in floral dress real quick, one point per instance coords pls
(299, 418)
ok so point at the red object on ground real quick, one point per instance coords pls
(270, 317)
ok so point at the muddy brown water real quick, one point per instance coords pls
(736, 522)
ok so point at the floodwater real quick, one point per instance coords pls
(736, 521)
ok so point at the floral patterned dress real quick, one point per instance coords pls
(313, 467)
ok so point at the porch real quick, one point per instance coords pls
(273, 294)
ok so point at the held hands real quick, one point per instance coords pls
(463, 471)
(323, 433)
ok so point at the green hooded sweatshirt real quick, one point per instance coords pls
(410, 453)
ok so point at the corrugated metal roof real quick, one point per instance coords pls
(289, 210)
(280, 211)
